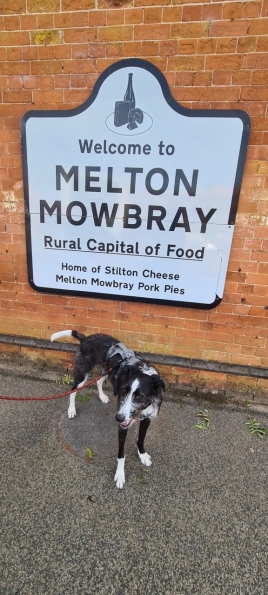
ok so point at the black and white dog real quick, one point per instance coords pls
(136, 385)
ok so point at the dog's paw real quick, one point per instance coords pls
(145, 459)
(119, 477)
(104, 398)
(71, 412)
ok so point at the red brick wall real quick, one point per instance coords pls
(214, 55)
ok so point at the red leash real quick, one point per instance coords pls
(56, 396)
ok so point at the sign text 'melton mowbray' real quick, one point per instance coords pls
(130, 195)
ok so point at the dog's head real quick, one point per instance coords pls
(138, 389)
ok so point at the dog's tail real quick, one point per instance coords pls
(75, 334)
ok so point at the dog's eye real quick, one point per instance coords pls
(125, 391)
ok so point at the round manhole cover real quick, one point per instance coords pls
(92, 434)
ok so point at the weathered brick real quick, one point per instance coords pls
(186, 63)
(194, 30)
(46, 37)
(115, 50)
(43, 5)
(228, 28)
(115, 17)
(172, 14)
(247, 44)
(232, 62)
(226, 45)
(150, 48)
(187, 46)
(74, 5)
(14, 38)
(168, 48)
(152, 15)
(45, 21)
(222, 77)
(11, 23)
(206, 45)
(79, 19)
(192, 13)
(251, 9)
(116, 33)
(79, 66)
(232, 10)
(17, 96)
(262, 44)
(255, 61)
(151, 32)
(133, 16)
(254, 93)
(48, 96)
(132, 49)
(80, 35)
(258, 27)
(46, 67)
(12, 6)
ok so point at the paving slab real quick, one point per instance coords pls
(194, 523)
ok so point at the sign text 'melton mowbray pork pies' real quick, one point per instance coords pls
(131, 196)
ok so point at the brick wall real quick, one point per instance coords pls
(214, 55)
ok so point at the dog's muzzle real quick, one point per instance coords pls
(121, 419)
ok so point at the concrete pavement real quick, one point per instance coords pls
(194, 523)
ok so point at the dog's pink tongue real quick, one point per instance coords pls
(125, 424)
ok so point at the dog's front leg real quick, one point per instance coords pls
(144, 457)
(102, 396)
(119, 477)
(72, 409)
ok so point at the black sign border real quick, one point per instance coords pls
(192, 113)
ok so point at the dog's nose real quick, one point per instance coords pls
(119, 417)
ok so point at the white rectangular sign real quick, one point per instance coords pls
(131, 196)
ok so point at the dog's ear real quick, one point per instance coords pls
(158, 383)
